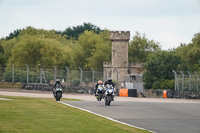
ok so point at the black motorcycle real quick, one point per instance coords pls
(57, 92)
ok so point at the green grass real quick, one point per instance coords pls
(24, 114)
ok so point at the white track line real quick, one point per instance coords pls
(105, 117)
(4, 99)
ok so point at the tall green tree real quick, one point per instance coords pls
(190, 53)
(75, 31)
(140, 48)
(194, 53)
(92, 50)
(2, 61)
(7, 47)
(158, 69)
(102, 52)
(33, 47)
(13, 34)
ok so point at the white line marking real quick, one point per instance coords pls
(105, 117)
(4, 99)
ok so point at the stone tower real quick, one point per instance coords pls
(119, 48)
(120, 62)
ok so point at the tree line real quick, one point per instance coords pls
(87, 46)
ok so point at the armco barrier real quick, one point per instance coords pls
(128, 93)
(123, 92)
(132, 93)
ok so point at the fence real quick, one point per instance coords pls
(186, 85)
(45, 76)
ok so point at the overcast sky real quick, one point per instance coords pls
(169, 22)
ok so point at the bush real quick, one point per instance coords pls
(167, 85)
(87, 81)
(75, 82)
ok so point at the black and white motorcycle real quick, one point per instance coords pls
(109, 94)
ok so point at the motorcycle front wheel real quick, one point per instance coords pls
(105, 99)
(58, 96)
(109, 99)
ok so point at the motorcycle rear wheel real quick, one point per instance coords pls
(100, 96)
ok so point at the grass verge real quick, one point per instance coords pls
(25, 114)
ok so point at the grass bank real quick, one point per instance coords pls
(24, 114)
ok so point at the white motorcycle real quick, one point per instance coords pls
(109, 94)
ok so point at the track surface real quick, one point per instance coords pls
(160, 117)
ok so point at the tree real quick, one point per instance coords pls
(7, 47)
(102, 52)
(158, 69)
(32, 51)
(190, 53)
(2, 61)
(194, 53)
(13, 35)
(33, 47)
(74, 32)
(92, 50)
(140, 48)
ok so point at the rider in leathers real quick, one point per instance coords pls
(109, 82)
(96, 86)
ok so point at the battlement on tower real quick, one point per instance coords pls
(120, 35)
(136, 65)
(107, 64)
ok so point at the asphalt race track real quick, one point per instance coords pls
(159, 117)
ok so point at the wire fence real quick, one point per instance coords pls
(48, 76)
(186, 85)
(187, 82)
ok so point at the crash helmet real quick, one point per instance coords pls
(57, 80)
(109, 79)
(99, 82)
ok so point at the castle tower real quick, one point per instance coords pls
(120, 62)
(119, 48)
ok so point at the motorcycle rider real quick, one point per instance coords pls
(57, 84)
(109, 82)
(96, 86)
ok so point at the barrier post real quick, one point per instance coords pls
(164, 94)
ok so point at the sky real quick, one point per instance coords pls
(168, 22)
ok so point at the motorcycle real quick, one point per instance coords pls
(58, 93)
(109, 95)
(100, 92)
